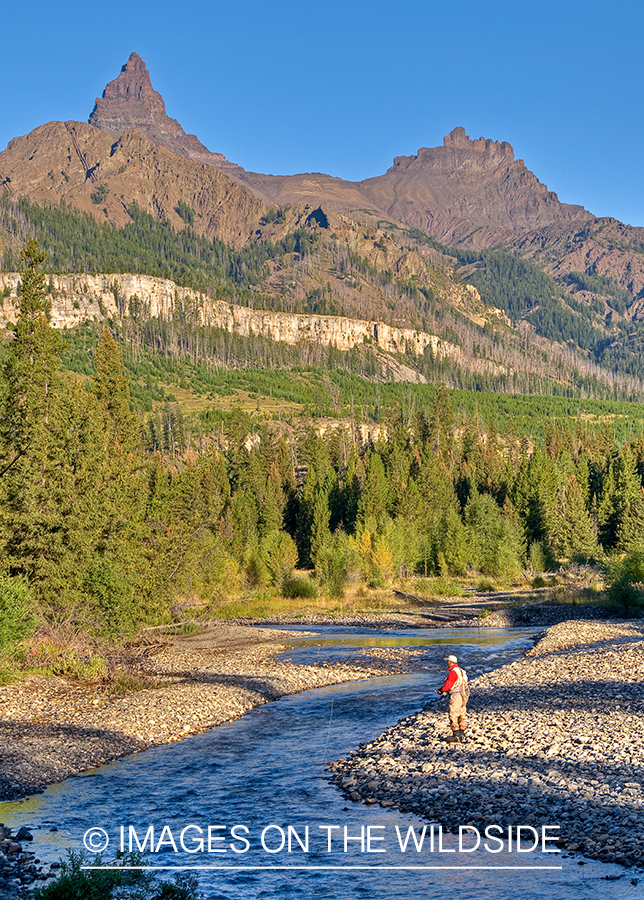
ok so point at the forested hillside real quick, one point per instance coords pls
(75, 242)
(384, 274)
(586, 311)
(106, 526)
(462, 242)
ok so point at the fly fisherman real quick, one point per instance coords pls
(456, 685)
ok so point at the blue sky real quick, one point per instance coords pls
(343, 87)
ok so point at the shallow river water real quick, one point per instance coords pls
(264, 776)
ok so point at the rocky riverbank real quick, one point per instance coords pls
(455, 612)
(546, 743)
(556, 738)
(19, 868)
(51, 728)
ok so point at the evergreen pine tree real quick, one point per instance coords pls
(30, 520)
(374, 499)
(32, 362)
(320, 477)
(320, 531)
(436, 489)
(52, 436)
(573, 533)
(451, 543)
(534, 496)
(111, 387)
(619, 510)
(441, 425)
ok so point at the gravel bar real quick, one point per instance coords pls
(555, 738)
(51, 728)
(452, 612)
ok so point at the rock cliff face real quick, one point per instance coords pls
(130, 102)
(79, 298)
(603, 247)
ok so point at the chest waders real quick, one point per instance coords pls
(458, 697)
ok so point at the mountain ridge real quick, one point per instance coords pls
(470, 192)
(130, 101)
(471, 203)
(102, 172)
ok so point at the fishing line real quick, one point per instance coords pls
(328, 735)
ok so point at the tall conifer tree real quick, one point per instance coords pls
(33, 360)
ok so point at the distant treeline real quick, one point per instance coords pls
(328, 381)
(76, 242)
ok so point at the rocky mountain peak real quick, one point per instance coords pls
(472, 191)
(460, 151)
(130, 102)
(458, 139)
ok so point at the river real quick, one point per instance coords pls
(264, 776)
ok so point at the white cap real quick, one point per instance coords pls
(451, 658)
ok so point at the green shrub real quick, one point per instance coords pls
(299, 586)
(537, 557)
(54, 657)
(495, 542)
(443, 587)
(254, 567)
(112, 597)
(338, 562)
(625, 582)
(404, 542)
(450, 545)
(540, 557)
(98, 196)
(76, 883)
(185, 212)
(486, 586)
(17, 617)
(212, 572)
(279, 555)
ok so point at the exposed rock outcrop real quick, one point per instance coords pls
(130, 102)
(79, 298)
(466, 186)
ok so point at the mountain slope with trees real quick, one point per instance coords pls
(469, 209)
(330, 265)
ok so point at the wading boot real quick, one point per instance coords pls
(460, 736)
(452, 738)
